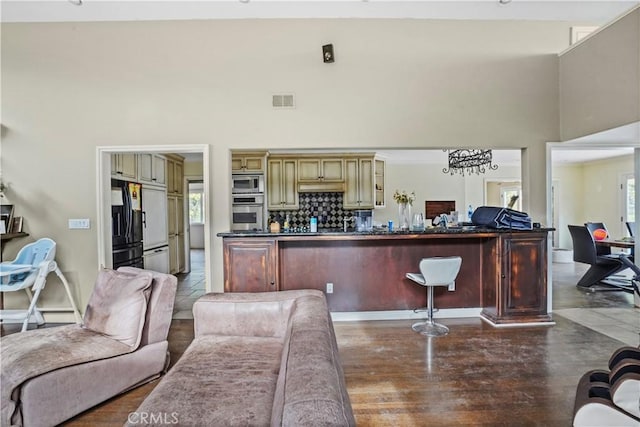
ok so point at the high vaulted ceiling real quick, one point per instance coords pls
(590, 11)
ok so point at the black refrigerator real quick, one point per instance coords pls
(126, 224)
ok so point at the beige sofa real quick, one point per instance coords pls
(51, 374)
(257, 359)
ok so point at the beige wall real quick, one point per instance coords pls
(569, 183)
(602, 194)
(70, 87)
(600, 80)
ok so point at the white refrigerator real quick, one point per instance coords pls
(155, 234)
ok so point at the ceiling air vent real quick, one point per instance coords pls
(283, 101)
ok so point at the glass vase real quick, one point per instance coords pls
(404, 216)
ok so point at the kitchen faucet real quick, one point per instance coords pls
(346, 223)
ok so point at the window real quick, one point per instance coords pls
(629, 198)
(196, 203)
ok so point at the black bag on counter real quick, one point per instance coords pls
(497, 217)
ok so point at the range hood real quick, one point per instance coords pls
(321, 187)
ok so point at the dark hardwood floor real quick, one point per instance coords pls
(477, 375)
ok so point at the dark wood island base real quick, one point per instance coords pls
(504, 273)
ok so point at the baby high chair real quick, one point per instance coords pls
(29, 271)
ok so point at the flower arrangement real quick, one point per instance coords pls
(404, 197)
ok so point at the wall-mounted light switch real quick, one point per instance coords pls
(82, 223)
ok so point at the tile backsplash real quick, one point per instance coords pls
(327, 207)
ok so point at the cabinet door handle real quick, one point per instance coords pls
(273, 283)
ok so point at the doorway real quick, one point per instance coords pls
(103, 223)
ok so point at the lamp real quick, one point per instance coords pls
(469, 161)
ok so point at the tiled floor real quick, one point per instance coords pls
(609, 313)
(190, 286)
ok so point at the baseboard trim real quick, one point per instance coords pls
(517, 325)
(451, 313)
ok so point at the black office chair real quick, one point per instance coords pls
(593, 226)
(631, 227)
(584, 251)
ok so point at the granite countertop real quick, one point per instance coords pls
(377, 232)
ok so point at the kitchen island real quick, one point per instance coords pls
(503, 274)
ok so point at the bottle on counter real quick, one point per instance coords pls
(470, 212)
(313, 222)
(286, 224)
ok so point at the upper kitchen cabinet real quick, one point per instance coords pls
(282, 192)
(175, 174)
(152, 169)
(379, 183)
(247, 162)
(124, 166)
(323, 170)
(359, 183)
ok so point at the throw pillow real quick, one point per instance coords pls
(118, 305)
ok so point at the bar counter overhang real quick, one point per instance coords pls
(503, 275)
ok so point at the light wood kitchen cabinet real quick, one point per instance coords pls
(175, 212)
(124, 166)
(173, 249)
(359, 183)
(175, 174)
(175, 228)
(323, 170)
(152, 169)
(250, 265)
(247, 162)
(379, 183)
(282, 192)
(154, 217)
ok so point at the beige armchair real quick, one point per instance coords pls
(52, 374)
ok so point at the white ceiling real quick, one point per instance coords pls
(590, 11)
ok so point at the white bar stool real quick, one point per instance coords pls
(436, 271)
